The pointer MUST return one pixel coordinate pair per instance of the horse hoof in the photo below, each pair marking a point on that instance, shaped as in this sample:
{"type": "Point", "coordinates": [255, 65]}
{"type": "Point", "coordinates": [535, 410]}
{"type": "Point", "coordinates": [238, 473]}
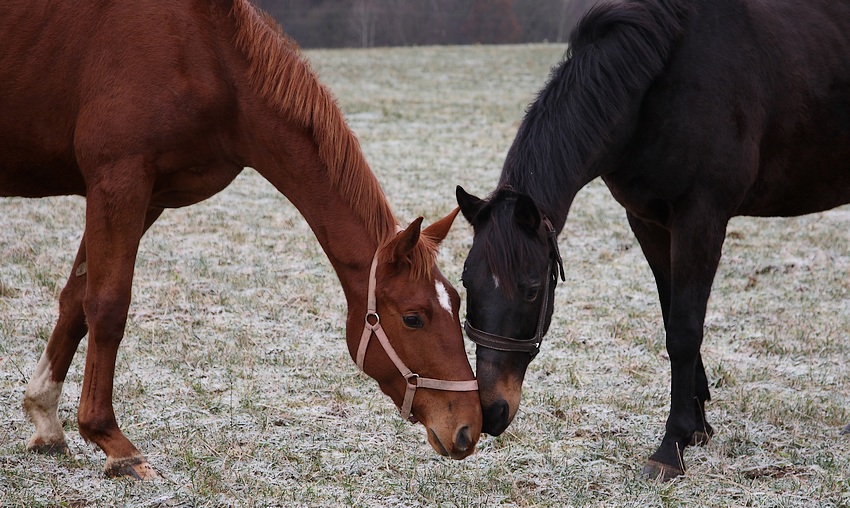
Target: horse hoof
{"type": "Point", "coordinates": [60, 448]}
{"type": "Point", "coordinates": [136, 468]}
{"type": "Point", "coordinates": [700, 438]}
{"type": "Point", "coordinates": [846, 430]}
{"type": "Point", "coordinates": [654, 470]}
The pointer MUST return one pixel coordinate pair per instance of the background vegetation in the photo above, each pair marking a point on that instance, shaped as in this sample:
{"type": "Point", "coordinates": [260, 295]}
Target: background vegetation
{"type": "Point", "coordinates": [235, 381]}
{"type": "Point", "coordinates": [368, 23]}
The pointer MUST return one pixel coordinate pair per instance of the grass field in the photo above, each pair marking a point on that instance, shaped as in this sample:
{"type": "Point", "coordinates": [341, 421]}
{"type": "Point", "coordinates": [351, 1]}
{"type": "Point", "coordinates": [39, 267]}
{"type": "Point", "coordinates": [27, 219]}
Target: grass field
{"type": "Point", "coordinates": [235, 381]}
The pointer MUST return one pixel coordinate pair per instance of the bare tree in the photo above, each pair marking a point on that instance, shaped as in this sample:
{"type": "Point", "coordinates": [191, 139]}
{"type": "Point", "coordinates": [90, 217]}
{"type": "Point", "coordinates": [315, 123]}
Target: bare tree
{"type": "Point", "coordinates": [564, 22]}
{"type": "Point", "coordinates": [364, 15]}
{"type": "Point", "coordinates": [365, 23]}
{"type": "Point", "coordinates": [493, 21]}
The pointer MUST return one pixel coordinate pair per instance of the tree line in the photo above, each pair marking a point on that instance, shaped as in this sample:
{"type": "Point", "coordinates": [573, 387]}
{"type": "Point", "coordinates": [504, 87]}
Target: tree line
{"type": "Point", "coordinates": [368, 23]}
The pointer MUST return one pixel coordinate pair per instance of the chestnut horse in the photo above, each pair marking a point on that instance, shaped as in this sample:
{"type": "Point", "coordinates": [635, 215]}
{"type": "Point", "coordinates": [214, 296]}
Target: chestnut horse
{"type": "Point", "coordinates": [692, 112]}
{"type": "Point", "coordinates": [154, 104]}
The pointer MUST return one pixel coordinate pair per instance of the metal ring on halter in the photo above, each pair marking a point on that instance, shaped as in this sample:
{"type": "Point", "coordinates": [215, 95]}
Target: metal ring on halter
{"type": "Point", "coordinates": [376, 316]}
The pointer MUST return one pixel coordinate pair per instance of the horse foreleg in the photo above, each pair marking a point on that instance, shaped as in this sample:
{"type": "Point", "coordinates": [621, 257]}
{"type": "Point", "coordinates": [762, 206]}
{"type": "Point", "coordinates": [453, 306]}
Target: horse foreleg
{"type": "Point", "coordinates": [655, 244]}
{"type": "Point", "coordinates": [704, 432]}
{"type": "Point", "coordinates": [115, 221]}
{"type": "Point", "coordinates": [41, 401]}
{"type": "Point", "coordinates": [695, 248]}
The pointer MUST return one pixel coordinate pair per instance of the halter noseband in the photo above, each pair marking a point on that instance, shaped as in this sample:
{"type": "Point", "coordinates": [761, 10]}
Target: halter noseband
{"type": "Point", "coordinates": [413, 380]}
{"type": "Point", "coordinates": [530, 346]}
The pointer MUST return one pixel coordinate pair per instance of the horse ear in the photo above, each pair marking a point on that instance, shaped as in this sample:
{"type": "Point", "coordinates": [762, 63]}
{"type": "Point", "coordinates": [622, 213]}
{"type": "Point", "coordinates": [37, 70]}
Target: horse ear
{"type": "Point", "coordinates": [526, 214]}
{"type": "Point", "coordinates": [469, 204]}
{"type": "Point", "coordinates": [407, 239]}
{"type": "Point", "coordinates": [437, 231]}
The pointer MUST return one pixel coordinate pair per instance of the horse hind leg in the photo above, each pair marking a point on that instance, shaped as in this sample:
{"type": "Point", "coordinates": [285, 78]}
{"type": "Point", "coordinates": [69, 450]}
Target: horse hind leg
{"type": "Point", "coordinates": [41, 400]}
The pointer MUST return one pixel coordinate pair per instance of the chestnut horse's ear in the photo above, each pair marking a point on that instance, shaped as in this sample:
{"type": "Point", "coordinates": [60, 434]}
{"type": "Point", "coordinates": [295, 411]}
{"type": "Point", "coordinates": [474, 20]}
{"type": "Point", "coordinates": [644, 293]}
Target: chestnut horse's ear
{"type": "Point", "coordinates": [469, 204]}
{"type": "Point", "coordinates": [526, 214]}
{"type": "Point", "coordinates": [437, 231]}
{"type": "Point", "coordinates": [407, 239]}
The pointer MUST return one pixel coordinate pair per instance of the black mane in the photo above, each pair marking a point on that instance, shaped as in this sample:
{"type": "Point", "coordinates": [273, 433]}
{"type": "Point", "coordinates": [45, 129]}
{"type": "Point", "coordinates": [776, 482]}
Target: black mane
{"type": "Point", "coordinates": [615, 53]}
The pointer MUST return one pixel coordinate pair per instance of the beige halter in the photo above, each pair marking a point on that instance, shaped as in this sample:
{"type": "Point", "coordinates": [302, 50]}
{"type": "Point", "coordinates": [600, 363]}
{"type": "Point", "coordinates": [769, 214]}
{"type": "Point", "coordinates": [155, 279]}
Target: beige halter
{"type": "Point", "coordinates": [414, 381]}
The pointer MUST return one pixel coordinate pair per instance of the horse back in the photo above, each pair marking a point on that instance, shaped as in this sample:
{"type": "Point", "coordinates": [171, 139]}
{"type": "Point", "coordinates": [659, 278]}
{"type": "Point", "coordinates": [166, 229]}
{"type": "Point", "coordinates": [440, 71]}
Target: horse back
{"type": "Point", "coordinates": [753, 112]}
{"type": "Point", "coordinates": [90, 82]}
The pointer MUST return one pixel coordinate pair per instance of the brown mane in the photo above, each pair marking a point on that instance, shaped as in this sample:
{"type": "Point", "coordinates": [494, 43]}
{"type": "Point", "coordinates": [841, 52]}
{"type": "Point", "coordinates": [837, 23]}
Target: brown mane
{"type": "Point", "coordinates": [280, 74]}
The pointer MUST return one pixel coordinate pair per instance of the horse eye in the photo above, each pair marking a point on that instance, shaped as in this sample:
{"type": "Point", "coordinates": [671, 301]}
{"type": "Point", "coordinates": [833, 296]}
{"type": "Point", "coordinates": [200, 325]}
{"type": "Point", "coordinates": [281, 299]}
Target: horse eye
{"type": "Point", "coordinates": [413, 321]}
{"type": "Point", "coordinates": [531, 294]}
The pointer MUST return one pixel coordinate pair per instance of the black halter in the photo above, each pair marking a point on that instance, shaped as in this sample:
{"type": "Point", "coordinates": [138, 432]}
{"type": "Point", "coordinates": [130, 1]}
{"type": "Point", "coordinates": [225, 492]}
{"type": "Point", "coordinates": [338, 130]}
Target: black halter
{"type": "Point", "coordinates": [530, 346]}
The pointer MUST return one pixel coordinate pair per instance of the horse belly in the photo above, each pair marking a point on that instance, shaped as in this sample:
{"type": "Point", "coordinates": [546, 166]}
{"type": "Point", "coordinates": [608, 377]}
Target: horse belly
{"type": "Point", "coordinates": [36, 150]}
{"type": "Point", "coordinates": [766, 133]}
{"type": "Point", "coordinates": [40, 180]}
{"type": "Point", "coordinates": [813, 185]}
{"type": "Point", "coordinates": [804, 156]}
{"type": "Point", "coordinates": [78, 96]}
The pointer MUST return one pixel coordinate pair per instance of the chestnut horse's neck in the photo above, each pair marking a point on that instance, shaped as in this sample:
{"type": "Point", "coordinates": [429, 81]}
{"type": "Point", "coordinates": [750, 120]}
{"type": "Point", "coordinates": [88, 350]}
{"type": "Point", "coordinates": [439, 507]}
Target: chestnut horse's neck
{"type": "Point", "coordinates": [296, 137]}
{"type": "Point", "coordinates": [347, 237]}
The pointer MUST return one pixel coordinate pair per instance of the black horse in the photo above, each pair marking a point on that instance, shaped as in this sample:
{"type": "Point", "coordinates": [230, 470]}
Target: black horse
{"type": "Point", "coordinates": [692, 112]}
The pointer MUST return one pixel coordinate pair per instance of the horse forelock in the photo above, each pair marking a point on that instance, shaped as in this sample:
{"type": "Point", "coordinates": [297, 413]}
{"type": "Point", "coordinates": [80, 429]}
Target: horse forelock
{"type": "Point", "coordinates": [420, 260]}
{"type": "Point", "coordinates": [284, 78]}
{"type": "Point", "coordinates": [507, 249]}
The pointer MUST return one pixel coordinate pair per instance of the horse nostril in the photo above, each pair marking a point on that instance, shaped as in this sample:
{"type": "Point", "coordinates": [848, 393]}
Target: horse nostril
{"type": "Point", "coordinates": [496, 418]}
{"type": "Point", "coordinates": [462, 439]}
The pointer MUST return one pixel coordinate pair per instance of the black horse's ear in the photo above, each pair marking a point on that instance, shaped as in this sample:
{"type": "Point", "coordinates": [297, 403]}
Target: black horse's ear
{"type": "Point", "coordinates": [469, 204]}
{"type": "Point", "coordinates": [526, 214]}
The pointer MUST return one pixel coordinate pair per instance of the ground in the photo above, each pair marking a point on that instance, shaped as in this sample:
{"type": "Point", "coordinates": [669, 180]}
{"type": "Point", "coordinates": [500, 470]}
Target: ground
{"type": "Point", "coordinates": [235, 381]}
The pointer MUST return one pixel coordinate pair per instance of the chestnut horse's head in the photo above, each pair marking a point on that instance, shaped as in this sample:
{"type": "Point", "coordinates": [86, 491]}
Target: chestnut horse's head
{"type": "Point", "coordinates": [410, 340]}
{"type": "Point", "coordinates": [510, 276]}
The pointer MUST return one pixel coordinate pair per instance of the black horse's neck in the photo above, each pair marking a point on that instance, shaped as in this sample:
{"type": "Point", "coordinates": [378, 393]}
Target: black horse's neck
{"type": "Point", "coordinates": [585, 114]}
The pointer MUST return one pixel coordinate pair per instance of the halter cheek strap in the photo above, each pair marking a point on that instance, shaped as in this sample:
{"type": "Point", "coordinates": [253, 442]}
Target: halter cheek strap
{"type": "Point", "coordinates": [501, 343]}
{"type": "Point", "coordinates": [371, 327]}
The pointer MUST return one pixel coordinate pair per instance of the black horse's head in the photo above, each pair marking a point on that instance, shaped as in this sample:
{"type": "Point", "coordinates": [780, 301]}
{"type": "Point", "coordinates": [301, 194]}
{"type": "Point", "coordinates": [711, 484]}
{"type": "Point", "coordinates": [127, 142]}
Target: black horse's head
{"type": "Point", "coordinates": [510, 276]}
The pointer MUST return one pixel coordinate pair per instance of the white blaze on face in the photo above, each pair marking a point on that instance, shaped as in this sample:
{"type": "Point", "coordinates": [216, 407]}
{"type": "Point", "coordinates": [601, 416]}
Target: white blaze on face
{"type": "Point", "coordinates": [443, 297]}
{"type": "Point", "coordinates": [496, 281]}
